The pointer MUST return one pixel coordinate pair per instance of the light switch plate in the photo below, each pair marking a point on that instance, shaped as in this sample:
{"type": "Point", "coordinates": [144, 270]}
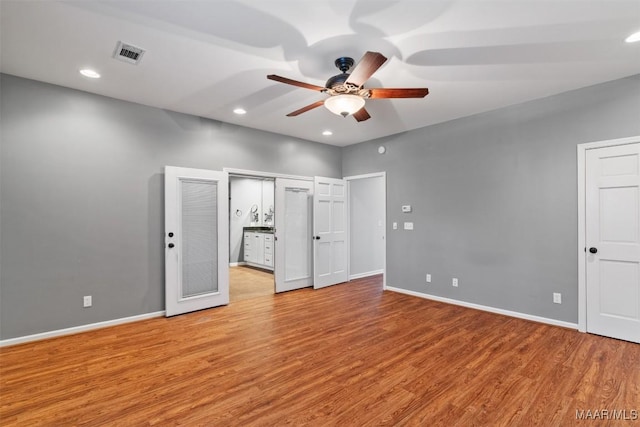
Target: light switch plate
{"type": "Point", "coordinates": [408, 226]}
{"type": "Point", "coordinates": [406, 208]}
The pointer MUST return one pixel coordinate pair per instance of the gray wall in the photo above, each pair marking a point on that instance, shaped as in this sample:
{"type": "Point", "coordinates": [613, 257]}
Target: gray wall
{"type": "Point", "coordinates": [81, 204]}
{"type": "Point", "coordinates": [366, 225]}
{"type": "Point", "coordinates": [495, 198]}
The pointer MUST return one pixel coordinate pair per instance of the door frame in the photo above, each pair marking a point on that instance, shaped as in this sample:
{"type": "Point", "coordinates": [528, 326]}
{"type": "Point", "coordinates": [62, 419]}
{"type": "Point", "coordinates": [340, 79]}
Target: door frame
{"type": "Point", "coordinates": [247, 173]}
{"type": "Point", "coordinates": [382, 175]}
{"type": "Point", "coordinates": [582, 230]}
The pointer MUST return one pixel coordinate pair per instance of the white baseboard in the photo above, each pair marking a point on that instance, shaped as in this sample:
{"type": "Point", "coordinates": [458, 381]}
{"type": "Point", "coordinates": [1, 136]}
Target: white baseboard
{"type": "Point", "coordinates": [237, 264]}
{"type": "Point", "coordinates": [367, 274]}
{"type": "Point", "coordinates": [486, 308]}
{"type": "Point", "coordinates": [77, 329]}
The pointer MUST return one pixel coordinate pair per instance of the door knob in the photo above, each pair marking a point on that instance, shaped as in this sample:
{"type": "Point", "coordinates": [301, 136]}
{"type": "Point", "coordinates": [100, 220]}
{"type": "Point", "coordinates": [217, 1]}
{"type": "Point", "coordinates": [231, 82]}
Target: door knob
{"type": "Point", "coordinates": [593, 250]}
{"type": "Point", "coordinates": [316, 237]}
{"type": "Point", "coordinates": [170, 245]}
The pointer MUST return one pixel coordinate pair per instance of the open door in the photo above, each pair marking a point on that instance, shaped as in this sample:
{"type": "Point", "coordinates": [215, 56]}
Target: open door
{"type": "Point", "coordinates": [330, 232]}
{"type": "Point", "coordinates": [196, 239]}
{"type": "Point", "coordinates": [293, 232]}
{"type": "Point", "coordinates": [612, 249]}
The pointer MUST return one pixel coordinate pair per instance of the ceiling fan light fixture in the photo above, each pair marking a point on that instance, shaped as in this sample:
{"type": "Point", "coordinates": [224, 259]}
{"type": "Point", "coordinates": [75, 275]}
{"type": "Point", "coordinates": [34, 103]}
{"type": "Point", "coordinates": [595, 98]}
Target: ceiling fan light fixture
{"type": "Point", "coordinates": [344, 105]}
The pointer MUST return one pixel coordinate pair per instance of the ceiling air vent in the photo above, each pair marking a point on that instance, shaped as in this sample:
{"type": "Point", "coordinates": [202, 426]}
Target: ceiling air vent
{"type": "Point", "coordinates": [128, 53]}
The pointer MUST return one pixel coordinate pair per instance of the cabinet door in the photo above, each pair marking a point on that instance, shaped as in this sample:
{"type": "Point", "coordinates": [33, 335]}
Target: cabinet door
{"type": "Point", "coordinates": [268, 250]}
{"type": "Point", "coordinates": [258, 244]}
{"type": "Point", "coordinates": [249, 247]}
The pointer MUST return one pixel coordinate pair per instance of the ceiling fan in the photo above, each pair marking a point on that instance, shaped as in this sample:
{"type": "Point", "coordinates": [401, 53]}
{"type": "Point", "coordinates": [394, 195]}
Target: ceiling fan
{"type": "Point", "coordinates": [346, 91]}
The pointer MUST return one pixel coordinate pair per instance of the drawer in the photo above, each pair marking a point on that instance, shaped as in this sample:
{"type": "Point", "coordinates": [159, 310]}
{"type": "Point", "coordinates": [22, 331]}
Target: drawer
{"type": "Point", "coordinates": [268, 260]}
{"type": "Point", "coordinates": [247, 235]}
{"type": "Point", "coordinates": [268, 248]}
{"type": "Point", "coordinates": [247, 256]}
{"type": "Point", "coordinates": [268, 237]}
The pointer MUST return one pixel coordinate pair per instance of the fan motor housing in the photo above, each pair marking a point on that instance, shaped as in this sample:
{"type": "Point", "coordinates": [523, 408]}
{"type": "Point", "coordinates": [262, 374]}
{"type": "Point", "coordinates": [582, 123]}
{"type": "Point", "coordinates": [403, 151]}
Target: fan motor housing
{"type": "Point", "coordinates": [337, 80]}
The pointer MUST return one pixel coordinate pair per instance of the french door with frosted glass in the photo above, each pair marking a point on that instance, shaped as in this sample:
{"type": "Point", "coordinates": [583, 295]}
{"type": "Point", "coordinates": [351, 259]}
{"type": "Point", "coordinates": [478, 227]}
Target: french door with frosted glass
{"type": "Point", "coordinates": [293, 246]}
{"type": "Point", "coordinates": [196, 239]}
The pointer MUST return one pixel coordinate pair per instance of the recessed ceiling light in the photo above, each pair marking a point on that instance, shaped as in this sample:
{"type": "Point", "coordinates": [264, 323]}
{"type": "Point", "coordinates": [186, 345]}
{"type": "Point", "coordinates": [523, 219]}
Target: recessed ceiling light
{"type": "Point", "coordinates": [635, 37]}
{"type": "Point", "coordinates": [240, 111]}
{"type": "Point", "coordinates": [87, 72]}
{"type": "Point", "coordinates": [327, 133]}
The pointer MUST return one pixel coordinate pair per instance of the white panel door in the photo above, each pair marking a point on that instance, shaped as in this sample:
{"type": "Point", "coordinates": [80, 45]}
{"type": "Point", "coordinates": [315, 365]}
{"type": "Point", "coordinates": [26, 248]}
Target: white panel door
{"type": "Point", "coordinates": [330, 232]}
{"type": "Point", "coordinates": [196, 239]}
{"type": "Point", "coordinates": [293, 234]}
{"type": "Point", "coordinates": [613, 241]}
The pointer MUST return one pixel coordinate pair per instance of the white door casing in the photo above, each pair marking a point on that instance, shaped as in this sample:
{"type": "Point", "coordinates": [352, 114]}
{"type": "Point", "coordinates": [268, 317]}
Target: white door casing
{"type": "Point", "coordinates": [293, 234]}
{"type": "Point", "coordinates": [330, 232]}
{"type": "Point", "coordinates": [196, 239]}
{"type": "Point", "coordinates": [612, 241]}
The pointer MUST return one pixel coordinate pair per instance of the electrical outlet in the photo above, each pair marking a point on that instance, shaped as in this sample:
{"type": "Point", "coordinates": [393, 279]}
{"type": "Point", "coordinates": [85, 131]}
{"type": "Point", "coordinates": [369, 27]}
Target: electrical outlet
{"type": "Point", "coordinates": [454, 282]}
{"type": "Point", "coordinates": [86, 301]}
{"type": "Point", "coordinates": [557, 298]}
{"type": "Point", "coordinates": [428, 278]}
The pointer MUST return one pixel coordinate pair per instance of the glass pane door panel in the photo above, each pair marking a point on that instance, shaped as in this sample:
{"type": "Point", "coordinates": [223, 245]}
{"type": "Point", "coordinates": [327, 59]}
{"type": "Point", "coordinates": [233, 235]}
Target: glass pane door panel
{"type": "Point", "coordinates": [297, 234]}
{"type": "Point", "coordinates": [199, 215]}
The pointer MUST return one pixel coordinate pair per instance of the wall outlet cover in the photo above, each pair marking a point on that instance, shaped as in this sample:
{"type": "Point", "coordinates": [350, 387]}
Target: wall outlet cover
{"type": "Point", "coordinates": [454, 282]}
{"type": "Point", "coordinates": [557, 298]}
{"type": "Point", "coordinates": [428, 278]}
{"type": "Point", "coordinates": [408, 226]}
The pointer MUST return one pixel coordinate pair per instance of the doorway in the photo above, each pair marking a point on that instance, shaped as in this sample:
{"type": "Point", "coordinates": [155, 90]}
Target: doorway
{"type": "Point", "coordinates": [367, 225]}
{"type": "Point", "coordinates": [251, 224]}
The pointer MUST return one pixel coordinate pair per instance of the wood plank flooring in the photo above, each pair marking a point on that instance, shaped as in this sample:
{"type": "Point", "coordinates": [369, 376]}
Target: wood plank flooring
{"type": "Point", "coordinates": [347, 355]}
{"type": "Point", "coordinates": [248, 282]}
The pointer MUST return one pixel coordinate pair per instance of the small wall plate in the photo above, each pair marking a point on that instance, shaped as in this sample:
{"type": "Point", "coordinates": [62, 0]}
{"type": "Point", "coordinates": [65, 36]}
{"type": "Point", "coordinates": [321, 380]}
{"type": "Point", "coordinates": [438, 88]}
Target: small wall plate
{"type": "Point", "coordinates": [381, 149]}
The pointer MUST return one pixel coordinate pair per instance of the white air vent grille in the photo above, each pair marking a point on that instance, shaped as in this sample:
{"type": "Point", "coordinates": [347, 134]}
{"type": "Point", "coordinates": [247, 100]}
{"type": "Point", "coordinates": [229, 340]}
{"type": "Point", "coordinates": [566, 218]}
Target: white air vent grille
{"type": "Point", "coordinates": [128, 53]}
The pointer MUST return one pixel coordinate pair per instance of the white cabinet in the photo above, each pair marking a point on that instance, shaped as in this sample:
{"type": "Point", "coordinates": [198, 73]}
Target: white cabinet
{"type": "Point", "coordinates": [258, 249]}
{"type": "Point", "coordinates": [268, 250]}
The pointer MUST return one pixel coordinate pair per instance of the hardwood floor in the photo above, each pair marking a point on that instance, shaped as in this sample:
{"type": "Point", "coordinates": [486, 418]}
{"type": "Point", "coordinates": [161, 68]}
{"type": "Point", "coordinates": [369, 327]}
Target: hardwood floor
{"type": "Point", "coordinates": [346, 355]}
{"type": "Point", "coordinates": [247, 282]}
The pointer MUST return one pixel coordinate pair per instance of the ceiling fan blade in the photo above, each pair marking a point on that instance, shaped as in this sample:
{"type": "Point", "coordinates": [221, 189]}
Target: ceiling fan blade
{"type": "Point", "coordinates": [307, 108]}
{"type": "Point", "coordinates": [361, 115]}
{"type": "Point", "coordinates": [398, 93]}
{"type": "Point", "coordinates": [295, 82]}
{"type": "Point", "coordinates": [368, 65]}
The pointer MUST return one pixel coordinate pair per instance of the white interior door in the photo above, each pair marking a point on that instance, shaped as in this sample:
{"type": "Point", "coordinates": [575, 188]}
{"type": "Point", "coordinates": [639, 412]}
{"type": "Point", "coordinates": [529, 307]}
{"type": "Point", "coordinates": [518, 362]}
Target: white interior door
{"type": "Point", "coordinates": [330, 232]}
{"type": "Point", "coordinates": [293, 233]}
{"type": "Point", "coordinates": [196, 239]}
{"type": "Point", "coordinates": [613, 241]}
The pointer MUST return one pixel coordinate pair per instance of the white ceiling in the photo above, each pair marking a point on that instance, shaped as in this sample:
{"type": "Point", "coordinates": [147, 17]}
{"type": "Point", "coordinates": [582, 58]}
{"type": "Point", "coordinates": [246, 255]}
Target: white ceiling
{"type": "Point", "coordinates": [208, 57]}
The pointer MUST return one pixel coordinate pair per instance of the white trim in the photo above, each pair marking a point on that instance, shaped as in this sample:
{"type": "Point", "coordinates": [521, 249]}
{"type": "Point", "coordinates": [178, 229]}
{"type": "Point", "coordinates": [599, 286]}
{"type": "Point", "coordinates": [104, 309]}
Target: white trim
{"type": "Point", "coordinates": [237, 264]}
{"type": "Point", "coordinates": [382, 175]}
{"type": "Point", "coordinates": [366, 274]}
{"type": "Point", "coordinates": [78, 329]}
{"type": "Point", "coordinates": [366, 175]}
{"type": "Point", "coordinates": [509, 313]}
{"type": "Point", "coordinates": [260, 174]}
{"type": "Point", "coordinates": [582, 278]}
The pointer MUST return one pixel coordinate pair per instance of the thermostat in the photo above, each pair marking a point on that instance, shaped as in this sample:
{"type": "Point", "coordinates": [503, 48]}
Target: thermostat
{"type": "Point", "coordinates": [406, 208]}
